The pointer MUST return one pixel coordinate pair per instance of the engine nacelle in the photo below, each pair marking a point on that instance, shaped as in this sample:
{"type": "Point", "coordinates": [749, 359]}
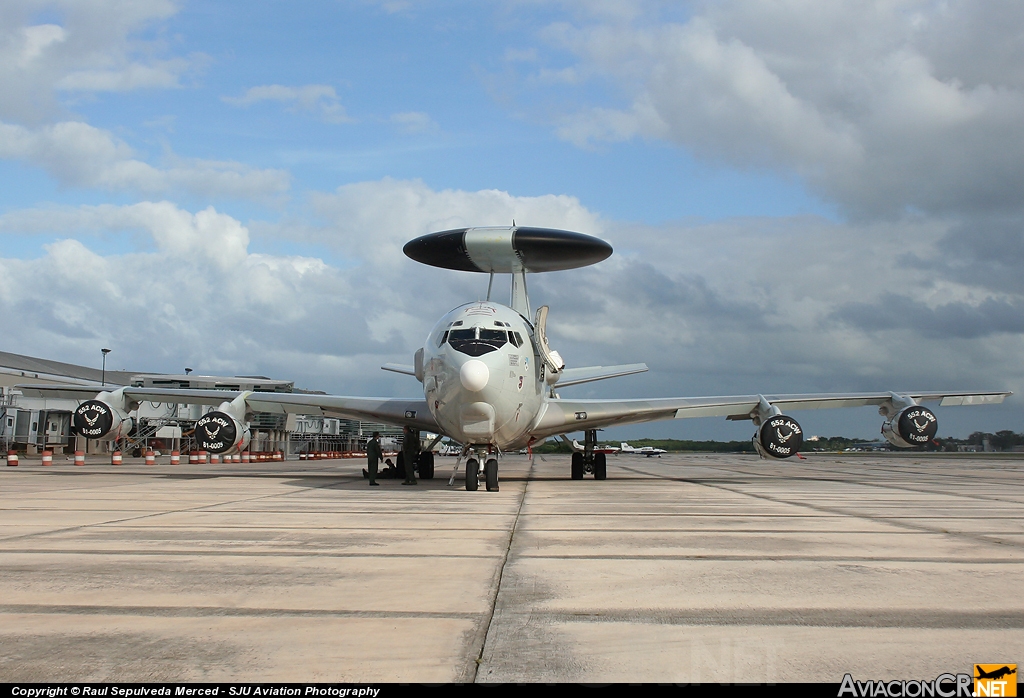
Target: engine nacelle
{"type": "Point", "coordinates": [778, 437]}
{"type": "Point", "coordinates": [911, 426]}
{"type": "Point", "coordinates": [219, 432]}
{"type": "Point", "coordinates": [95, 419]}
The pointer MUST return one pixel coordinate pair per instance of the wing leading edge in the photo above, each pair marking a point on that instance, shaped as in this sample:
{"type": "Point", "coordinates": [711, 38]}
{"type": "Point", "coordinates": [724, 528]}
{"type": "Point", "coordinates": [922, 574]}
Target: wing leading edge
{"type": "Point", "coordinates": [564, 415]}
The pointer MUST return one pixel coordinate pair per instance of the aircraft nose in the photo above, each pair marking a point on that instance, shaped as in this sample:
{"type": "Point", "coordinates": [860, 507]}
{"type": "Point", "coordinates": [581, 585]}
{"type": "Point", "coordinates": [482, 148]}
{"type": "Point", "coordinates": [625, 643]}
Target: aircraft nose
{"type": "Point", "coordinates": [474, 375]}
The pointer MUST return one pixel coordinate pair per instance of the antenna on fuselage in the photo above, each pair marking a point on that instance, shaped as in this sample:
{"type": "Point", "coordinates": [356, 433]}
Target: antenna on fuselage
{"type": "Point", "coordinates": [513, 250]}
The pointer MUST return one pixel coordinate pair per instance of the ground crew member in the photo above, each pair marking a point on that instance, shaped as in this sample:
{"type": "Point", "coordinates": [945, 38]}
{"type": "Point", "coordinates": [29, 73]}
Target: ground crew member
{"type": "Point", "coordinates": [410, 449]}
{"type": "Point", "coordinates": [373, 456]}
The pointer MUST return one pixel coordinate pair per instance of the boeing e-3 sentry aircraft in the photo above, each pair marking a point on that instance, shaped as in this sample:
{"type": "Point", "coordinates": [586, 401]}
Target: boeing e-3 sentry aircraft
{"type": "Point", "coordinates": [490, 378]}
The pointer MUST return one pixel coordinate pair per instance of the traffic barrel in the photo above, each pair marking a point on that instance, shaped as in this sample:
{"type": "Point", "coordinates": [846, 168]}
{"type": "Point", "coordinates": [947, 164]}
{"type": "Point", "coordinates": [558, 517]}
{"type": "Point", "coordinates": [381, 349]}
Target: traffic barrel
{"type": "Point", "coordinates": [245, 456]}
{"type": "Point", "coordinates": [79, 457]}
{"type": "Point", "coordinates": [150, 457]}
{"type": "Point", "coordinates": [193, 457]}
{"type": "Point", "coordinates": [175, 457]}
{"type": "Point", "coordinates": [12, 458]}
{"type": "Point", "coordinates": [202, 457]}
{"type": "Point", "coordinates": [47, 457]}
{"type": "Point", "coordinates": [215, 458]}
{"type": "Point", "coordinates": [236, 458]}
{"type": "Point", "coordinates": [115, 458]}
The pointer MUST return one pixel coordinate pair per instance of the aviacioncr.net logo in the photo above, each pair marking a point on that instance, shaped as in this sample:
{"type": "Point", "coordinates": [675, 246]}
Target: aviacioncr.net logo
{"type": "Point", "coordinates": [943, 686]}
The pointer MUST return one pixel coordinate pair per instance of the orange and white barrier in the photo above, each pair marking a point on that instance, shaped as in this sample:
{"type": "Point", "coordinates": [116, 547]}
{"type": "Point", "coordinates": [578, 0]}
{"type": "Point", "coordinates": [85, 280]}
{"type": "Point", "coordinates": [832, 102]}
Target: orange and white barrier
{"type": "Point", "coordinates": [236, 458]}
{"type": "Point", "coordinates": [47, 457]}
{"type": "Point", "coordinates": [245, 456]}
{"type": "Point", "coordinates": [12, 458]}
{"type": "Point", "coordinates": [215, 458]}
{"type": "Point", "coordinates": [193, 457]}
{"type": "Point", "coordinates": [115, 458]}
{"type": "Point", "coordinates": [175, 457]}
{"type": "Point", "coordinates": [202, 457]}
{"type": "Point", "coordinates": [150, 457]}
{"type": "Point", "coordinates": [79, 457]}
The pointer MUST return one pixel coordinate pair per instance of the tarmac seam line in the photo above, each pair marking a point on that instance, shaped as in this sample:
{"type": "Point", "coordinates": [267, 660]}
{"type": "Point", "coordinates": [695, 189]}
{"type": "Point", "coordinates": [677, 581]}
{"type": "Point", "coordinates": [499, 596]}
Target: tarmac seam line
{"type": "Point", "coordinates": [501, 575]}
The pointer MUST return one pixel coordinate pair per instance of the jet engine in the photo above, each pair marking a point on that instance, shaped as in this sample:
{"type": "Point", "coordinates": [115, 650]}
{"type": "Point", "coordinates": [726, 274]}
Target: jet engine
{"type": "Point", "coordinates": [218, 432]}
{"type": "Point", "coordinates": [96, 419]}
{"type": "Point", "coordinates": [911, 426]}
{"type": "Point", "coordinates": [778, 437]}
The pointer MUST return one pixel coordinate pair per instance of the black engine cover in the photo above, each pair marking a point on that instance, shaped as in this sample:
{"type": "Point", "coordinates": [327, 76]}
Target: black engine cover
{"type": "Point", "coordinates": [93, 419]}
{"type": "Point", "coordinates": [917, 425]}
{"type": "Point", "coordinates": [216, 432]}
{"type": "Point", "coordinates": [780, 436]}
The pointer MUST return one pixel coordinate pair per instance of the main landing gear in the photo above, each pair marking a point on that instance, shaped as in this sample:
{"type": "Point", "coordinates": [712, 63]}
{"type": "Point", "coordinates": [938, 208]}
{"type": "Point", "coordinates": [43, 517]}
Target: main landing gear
{"type": "Point", "coordinates": [588, 461]}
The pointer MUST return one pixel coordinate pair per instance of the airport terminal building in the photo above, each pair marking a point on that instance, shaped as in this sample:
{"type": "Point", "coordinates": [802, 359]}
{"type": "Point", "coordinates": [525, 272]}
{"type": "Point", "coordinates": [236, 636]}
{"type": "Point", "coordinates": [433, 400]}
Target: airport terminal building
{"type": "Point", "coordinates": [31, 425]}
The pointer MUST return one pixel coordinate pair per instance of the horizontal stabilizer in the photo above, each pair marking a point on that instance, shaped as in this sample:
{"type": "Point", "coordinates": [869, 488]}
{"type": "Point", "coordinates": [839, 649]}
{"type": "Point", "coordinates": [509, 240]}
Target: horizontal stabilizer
{"type": "Point", "coordinates": [400, 368]}
{"type": "Point", "coordinates": [586, 374]}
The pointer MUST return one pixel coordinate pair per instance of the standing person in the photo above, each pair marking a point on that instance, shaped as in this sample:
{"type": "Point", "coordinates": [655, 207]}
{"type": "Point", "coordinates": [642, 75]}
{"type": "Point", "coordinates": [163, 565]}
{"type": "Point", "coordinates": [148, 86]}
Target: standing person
{"type": "Point", "coordinates": [410, 449]}
{"type": "Point", "coordinates": [373, 456]}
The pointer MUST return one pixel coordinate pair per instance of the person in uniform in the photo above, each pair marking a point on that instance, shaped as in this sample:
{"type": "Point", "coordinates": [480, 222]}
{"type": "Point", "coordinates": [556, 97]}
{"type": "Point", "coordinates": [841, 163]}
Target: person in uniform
{"type": "Point", "coordinates": [373, 456]}
{"type": "Point", "coordinates": [410, 449]}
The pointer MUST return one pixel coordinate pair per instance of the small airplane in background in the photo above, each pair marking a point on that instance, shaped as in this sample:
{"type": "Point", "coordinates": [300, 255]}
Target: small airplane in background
{"type": "Point", "coordinates": [649, 451]}
{"type": "Point", "coordinates": [490, 381]}
{"type": "Point", "coordinates": [607, 450]}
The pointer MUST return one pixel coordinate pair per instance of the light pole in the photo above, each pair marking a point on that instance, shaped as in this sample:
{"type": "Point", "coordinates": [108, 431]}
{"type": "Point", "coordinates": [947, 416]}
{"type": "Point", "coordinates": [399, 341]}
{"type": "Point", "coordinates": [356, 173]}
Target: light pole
{"type": "Point", "coordinates": [103, 373]}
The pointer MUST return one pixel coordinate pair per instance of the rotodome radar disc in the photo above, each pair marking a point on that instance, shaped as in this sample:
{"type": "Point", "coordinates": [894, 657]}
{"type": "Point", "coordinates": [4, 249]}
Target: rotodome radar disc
{"type": "Point", "coordinates": [508, 250]}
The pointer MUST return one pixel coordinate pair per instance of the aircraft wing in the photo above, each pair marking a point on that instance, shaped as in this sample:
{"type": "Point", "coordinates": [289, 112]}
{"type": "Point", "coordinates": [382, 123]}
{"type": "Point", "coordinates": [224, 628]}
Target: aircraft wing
{"type": "Point", "coordinates": [575, 376]}
{"type": "Point", "coordinates": [400, 411]}
{"type": "Point", "coordinates": [566, 415]}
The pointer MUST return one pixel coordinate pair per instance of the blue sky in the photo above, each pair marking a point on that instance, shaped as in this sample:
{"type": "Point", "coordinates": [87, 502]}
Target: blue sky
{"type": "Point", "coordinates": [228, 185]}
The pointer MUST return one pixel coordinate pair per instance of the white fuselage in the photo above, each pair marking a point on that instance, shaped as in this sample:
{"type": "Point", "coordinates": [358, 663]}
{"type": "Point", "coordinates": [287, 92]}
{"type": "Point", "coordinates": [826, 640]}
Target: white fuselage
{"type": "Point", "coordinates": [482, 378]}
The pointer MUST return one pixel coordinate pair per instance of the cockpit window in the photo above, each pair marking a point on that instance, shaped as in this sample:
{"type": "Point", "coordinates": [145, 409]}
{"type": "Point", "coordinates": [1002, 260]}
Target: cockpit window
{"type": "Point", "coordinates": [477, 341]}
{"type": "Point", "coordinates": [444, 338]}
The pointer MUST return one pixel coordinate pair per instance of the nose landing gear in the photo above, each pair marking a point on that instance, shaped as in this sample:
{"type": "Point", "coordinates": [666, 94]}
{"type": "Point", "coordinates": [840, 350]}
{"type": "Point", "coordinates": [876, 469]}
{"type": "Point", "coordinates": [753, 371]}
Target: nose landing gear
{"type": "Point", "coordinates": [587, 461]}
{"type": "Point", "coordinates": [473, 472]}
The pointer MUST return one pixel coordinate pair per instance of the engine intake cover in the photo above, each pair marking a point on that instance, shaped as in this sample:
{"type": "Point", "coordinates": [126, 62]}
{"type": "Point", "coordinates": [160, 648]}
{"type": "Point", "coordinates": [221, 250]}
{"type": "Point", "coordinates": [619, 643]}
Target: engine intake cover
{"type": "Point", "coordinates": [95, 419]}
{"type": "Point", "coordinates": [780, 437]}
{"type": "Point", "coordinates": [219, 432]}
{"type": "Point", "coordinates": [913, 426]}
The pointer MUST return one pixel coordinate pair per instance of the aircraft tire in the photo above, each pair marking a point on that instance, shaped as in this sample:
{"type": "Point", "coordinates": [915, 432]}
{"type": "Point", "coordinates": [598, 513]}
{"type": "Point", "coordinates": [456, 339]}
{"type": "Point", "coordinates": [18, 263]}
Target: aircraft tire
{"type": "Point", "coordinates": [491, 474]}
{"type": "Point", "coordinates": [426, 466]}
{"type": "Point", "coordinates": [577, 466]}
{"type": "Point", "coordinates": [600, 466]}
{"type": "Point", "coordinates": [472, 475]}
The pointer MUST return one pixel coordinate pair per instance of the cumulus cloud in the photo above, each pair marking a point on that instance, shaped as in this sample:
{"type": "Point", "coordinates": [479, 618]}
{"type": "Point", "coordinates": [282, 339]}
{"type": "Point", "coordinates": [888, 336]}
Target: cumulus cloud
{"type": "Point", "coordinates": [321, 100]}
{"type": "Point", "coordinates": [77, 154]}
{"type": "Point", "coordinates": [882, 107]}
{"type": "Point", "coordinates": [198, 297]}
{"type": "Point", "coordinates": [414, 122]}
{"type": "Point", "coordinates": [377, 218]}
{"type": "Point", "coordinates": [90, 46]}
